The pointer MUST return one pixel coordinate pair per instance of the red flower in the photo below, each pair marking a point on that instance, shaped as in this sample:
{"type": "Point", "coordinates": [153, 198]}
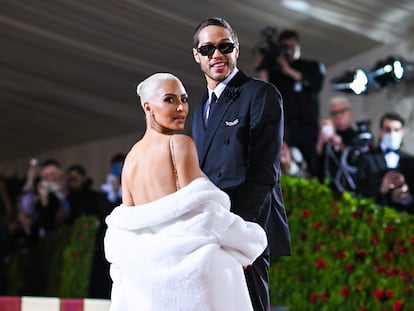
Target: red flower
{"type": "Point", "coordinates": [381, 270]}
{"type": "Point", "coordinates": [324, 297]}
{"type": "Point", "coordinates": [388, 256]}
{"type": "Point", "coordinates": [398, 305]}
{"type": "Point", "coordinates": [313, 297]}
{"type": "Point", "coordinates": [344, 291]}
{"type": "Point", "coordinates": [349, 267]}
{"type": "Point", "coordinates": [363, 309]}
{"type": "Point", "coordinates": [316, 225]}
{"type": "Point", "coordinates": [320, 263]}
{"type": "Point", "coordinates": [389, 293]}
{"type": "Point", "coordinates": [389, 228]}
{"type": "Point", "coordinates": [379, 294]}
{"type": "Point", "coordinates": [375, 240]}
{"type": "Point", "coordinates": [392, 271]}
{"type": "Point", "coordinates": [335, 212]}
{"type": "Point", "coordinates": [402, 250]}
{"type": "Point", "coordinates": [412, 241]}
{"type": "Point", "coordinates": [305, 213]}
{"type": "Point", "coordinates": [340, 255]}
{"type": "Point", "coordinates": [357, 214]}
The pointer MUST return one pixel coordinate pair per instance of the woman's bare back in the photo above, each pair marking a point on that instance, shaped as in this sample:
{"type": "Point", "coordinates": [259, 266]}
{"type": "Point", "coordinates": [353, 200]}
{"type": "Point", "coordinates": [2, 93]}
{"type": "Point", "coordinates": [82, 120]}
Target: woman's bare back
{"type": "Point", "coordinates": [148, 173]}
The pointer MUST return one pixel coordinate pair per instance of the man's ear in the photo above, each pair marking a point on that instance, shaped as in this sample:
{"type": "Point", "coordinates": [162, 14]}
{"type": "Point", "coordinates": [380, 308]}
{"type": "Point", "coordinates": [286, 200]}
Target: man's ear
{"type": "Point", "coordinates": [196, 56]}
{"type": "Point", "coordinates": [237, 48]}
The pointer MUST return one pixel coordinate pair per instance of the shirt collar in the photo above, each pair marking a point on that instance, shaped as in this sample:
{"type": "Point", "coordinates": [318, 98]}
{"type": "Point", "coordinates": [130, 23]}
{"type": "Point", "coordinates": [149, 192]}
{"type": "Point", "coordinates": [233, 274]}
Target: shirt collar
{"type": "Point", "coordinates": [223, 84]}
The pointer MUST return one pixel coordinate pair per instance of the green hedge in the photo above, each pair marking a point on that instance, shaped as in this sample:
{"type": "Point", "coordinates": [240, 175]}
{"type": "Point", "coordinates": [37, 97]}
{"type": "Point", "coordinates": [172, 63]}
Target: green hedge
{"type": "Point", "coordinates": [348, 253]}
{"type": "Point", "coordinates": [57, 266]}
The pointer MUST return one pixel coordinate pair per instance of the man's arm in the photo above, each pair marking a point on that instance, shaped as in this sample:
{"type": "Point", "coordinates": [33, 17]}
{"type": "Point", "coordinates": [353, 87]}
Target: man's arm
{"type": "Point", "coordinates": [264, 147]}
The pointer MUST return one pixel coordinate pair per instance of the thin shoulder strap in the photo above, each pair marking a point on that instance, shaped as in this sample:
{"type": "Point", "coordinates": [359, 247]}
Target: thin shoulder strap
{"type": "Point", "coordinates": [177, 183]}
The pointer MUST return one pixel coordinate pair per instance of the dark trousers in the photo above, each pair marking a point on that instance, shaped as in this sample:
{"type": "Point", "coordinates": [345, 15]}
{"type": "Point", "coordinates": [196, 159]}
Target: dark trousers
{"type": "Point", "coordinates": [257, 278]}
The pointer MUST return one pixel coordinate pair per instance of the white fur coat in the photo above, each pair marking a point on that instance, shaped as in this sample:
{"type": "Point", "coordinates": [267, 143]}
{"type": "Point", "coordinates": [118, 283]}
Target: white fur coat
{"type": "Point", "coordinates": [183, 252]}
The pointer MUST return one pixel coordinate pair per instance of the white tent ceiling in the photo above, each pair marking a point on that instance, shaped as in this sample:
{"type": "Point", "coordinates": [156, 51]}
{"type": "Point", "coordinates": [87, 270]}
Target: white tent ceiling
{"type": "Point", "coordinates": [68, 68]}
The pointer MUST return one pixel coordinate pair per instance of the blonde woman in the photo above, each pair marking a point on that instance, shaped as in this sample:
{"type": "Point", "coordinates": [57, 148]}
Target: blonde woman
{"type": "Point", "coordinates": [173, 243]}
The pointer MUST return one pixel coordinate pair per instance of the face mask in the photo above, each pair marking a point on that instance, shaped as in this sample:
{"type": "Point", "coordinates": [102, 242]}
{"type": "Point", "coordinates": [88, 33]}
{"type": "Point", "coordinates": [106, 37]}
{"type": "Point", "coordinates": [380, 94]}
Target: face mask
{"type": "Point", "coordinates": [392, 140]}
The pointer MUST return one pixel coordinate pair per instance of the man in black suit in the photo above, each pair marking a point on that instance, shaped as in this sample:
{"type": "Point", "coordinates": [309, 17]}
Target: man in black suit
{"type": "Point", "coordinates": [299, 81]}
{"type": "Point", "coordinates": [239, 139]}
{"type": "Point", "coordinates": [387, 173]}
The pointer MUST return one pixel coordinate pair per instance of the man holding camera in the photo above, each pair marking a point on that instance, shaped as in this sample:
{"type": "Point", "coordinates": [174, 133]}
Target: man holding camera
{"type": "Point", "coordinates": [387, 173]}
{"type": "Point", "coordinates": [299, 81]}
{"type": "Point", "coordinates": [336, 137]}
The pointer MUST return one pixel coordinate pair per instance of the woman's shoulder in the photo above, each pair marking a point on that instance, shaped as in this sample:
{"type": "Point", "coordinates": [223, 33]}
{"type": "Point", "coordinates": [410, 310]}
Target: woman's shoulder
{"type": "Point", "coordinates": [183, 142]}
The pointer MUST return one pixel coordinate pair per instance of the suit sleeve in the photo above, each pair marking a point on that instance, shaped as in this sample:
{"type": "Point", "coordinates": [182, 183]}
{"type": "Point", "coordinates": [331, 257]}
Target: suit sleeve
{"type": "Point", "coordinates": [265, 143]}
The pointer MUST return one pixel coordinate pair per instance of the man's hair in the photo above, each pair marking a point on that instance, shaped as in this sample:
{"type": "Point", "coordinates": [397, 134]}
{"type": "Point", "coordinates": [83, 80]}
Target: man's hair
{"type": "Point", "coordinates": [391, 116]}
{"type": "Point", "coordinates": [288, 34]}
{"type": "Point", "coordinates": [48, 162]}
{"type": "Point", "coordinates": [336, 100]}
{"type": "Point", "coordinates": [78, 169]}
{"type": "Point", "coordinates": [214, 21]}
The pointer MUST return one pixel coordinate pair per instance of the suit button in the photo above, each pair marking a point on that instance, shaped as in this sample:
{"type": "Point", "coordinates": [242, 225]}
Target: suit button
{"type": "Point", "coordinates": [219, 175]}
{"type": "Point", "coordinates": [227, 141]}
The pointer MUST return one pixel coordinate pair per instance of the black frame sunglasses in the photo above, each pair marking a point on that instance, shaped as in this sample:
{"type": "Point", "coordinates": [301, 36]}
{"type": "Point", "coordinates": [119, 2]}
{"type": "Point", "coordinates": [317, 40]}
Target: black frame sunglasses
{"type": "Point", "coordinates": [209, 49]}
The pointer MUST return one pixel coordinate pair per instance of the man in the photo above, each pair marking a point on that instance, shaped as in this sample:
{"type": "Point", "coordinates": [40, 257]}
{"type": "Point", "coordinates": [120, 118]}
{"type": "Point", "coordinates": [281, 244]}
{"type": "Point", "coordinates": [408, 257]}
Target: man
{"type": "Point", "coordinates": [299, 81]}
{"type": "Point", "coordinates": [335, 136]}
{"type": "Point", "coordinates": [52, 206]}
{"type": "Point", "coordinates": [387, 173]}
{"type": "Point", "coordinates": [238, 139]}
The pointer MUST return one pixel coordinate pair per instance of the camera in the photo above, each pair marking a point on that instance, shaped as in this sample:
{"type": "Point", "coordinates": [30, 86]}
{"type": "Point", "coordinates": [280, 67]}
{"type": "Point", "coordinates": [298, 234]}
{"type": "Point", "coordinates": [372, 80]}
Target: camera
{"type": "Point", "coordinates": [271, 51]}
{"type": "Point", "coordinates": [364, 137]}
{"type": "Point", "coordinates": [361, 144]}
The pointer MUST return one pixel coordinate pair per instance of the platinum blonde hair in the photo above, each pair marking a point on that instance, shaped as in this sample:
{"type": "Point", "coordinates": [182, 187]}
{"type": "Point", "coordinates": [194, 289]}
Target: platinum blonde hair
{"type": "Point", "coordinates": [336, 100]}
{"type": "Point", "coordinates": [147, 88]}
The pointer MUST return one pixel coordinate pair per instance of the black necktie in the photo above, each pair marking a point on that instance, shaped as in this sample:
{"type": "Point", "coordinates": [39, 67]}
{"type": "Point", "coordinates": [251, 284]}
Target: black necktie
{"type": "Point", "coordinates": [209, 106]}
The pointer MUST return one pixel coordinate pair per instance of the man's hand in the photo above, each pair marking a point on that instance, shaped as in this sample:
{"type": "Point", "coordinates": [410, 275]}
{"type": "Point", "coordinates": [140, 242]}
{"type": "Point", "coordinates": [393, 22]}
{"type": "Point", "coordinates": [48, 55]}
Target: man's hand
{"type": "Point", "coordinates": [391, 181]}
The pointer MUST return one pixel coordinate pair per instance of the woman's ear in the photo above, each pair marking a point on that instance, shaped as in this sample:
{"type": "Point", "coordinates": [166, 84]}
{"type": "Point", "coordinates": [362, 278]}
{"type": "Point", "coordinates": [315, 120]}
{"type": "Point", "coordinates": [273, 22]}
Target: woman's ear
{"type": "Point", "coordinates": [147, 107]}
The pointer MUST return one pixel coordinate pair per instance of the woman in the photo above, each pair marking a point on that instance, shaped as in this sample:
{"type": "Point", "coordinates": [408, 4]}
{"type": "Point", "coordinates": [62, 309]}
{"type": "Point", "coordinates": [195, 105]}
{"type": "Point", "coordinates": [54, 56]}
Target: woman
{"type": "Point", "coordinates": [173, 244]}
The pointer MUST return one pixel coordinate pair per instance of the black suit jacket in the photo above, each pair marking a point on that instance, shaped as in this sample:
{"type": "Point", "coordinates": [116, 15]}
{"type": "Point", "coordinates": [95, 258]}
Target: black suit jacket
{"type": "Point", "coordinates": [372, 168]}
{"type": "Point", "coordinates": [240, 152]}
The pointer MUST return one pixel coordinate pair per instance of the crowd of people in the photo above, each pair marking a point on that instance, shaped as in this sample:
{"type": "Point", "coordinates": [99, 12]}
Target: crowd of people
{"type": "Point", "coordinates": [352, 158]}
{"type": "Point", "coordinates": [242, 130]}
{"type": "Point", "coordinates": [50, 197]}
{"type": "Point", "coordinates": [338, 149]}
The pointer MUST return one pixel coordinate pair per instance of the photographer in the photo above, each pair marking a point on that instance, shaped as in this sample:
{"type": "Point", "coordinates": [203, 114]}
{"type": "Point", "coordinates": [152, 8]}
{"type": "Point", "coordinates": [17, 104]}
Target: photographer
{"type": "Point", "coordinates": [339, 145]}
{"type": "Point", "coordinates": [387, 173]}
{"type": "Point", "coordinates": [51, 203]}
{"type": "Point", "coordinates": [299, 81]}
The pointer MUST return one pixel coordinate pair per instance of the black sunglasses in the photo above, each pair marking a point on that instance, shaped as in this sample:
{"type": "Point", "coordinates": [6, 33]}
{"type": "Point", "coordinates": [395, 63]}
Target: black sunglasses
{"type": "Point", "coordinates": [209, 49]}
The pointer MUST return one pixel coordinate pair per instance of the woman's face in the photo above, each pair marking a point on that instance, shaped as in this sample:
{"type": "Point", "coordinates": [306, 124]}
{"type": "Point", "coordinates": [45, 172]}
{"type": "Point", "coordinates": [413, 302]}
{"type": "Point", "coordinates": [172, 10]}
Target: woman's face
{"type": "Point", "coordinates": [168, 107]}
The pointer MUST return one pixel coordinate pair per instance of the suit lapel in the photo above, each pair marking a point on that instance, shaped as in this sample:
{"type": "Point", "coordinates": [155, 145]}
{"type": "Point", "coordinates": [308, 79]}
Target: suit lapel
{"type": "Point", "coordinates": [228, 98]}
{"type": "Point", "coordinates": [380, 161]}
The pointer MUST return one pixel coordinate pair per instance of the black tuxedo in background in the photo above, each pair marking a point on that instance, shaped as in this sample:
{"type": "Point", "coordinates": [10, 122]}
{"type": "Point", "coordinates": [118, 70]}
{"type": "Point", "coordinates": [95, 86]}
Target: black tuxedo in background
{"type": "Point", "coordinates": [240, 152]}
{"type": "Point", "coordinates": [371, 169]}
{"type": "Point", "coordinates": [301, 105]}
